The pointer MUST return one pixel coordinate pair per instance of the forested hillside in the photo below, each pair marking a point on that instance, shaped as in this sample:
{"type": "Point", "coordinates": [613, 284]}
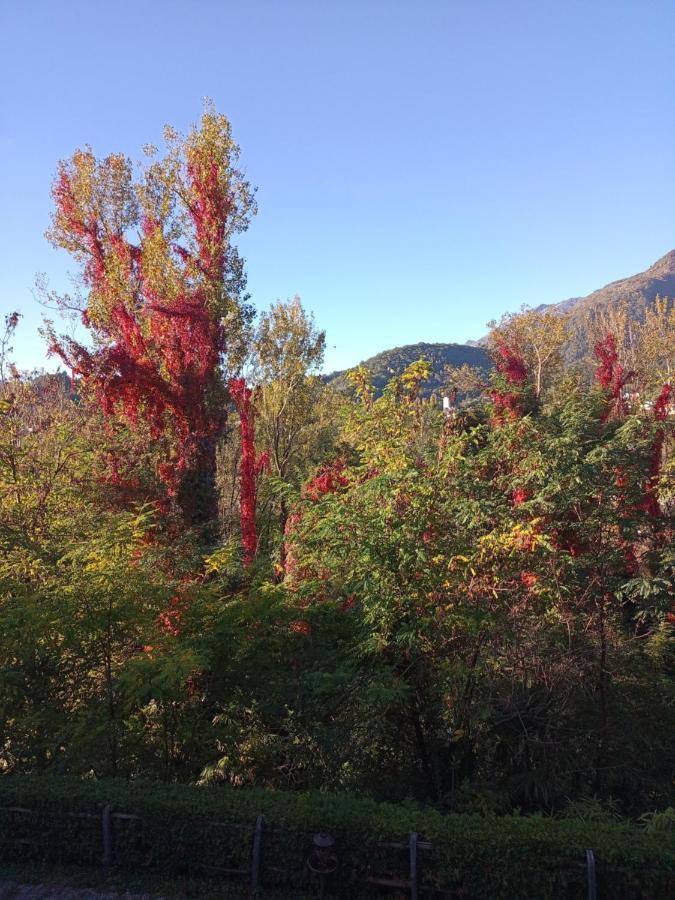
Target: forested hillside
{"type": "Point", "coordinates": [631, 298]}
{"type": "Point", "coordinates": [392, 363]}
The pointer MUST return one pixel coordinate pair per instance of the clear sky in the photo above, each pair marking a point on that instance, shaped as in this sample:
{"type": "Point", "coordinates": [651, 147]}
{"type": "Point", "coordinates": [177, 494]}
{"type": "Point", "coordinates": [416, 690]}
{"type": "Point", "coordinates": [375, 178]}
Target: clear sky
{"type": "Point", "coordinates": [421, 166]}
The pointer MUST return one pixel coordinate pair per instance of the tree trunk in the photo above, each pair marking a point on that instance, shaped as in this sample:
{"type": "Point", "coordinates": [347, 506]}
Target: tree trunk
{"type": "Point", "coordinates": [603, 687]}
{"type": "Point", "coordinates": [197, 495]}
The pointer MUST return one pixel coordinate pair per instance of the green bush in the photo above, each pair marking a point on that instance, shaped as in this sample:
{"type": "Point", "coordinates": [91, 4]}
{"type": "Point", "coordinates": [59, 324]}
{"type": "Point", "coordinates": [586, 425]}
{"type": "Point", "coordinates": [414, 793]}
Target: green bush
{"type": "Point", "coordinates": [472, 857]}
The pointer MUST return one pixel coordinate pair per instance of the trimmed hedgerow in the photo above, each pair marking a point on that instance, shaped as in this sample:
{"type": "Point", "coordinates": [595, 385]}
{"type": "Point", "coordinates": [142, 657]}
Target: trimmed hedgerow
{"type": "Point", "coordinates": [194, 829]}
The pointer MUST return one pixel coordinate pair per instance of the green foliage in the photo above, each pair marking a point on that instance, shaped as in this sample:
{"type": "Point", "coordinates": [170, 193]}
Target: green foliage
{"type": "Point", "coordinates": [501, 637]}
{"type": "Point", "coordinates": [295, 420]}
{"type": "Point", "coordinates": [392, 363]}
{"type": "Point", "coordinates": [471, 611]}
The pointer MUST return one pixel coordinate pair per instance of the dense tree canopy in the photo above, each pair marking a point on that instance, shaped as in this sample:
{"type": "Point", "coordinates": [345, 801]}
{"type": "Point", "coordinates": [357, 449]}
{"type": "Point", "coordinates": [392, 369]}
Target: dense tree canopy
{"type": "Point", "coordinates": [472, 608]}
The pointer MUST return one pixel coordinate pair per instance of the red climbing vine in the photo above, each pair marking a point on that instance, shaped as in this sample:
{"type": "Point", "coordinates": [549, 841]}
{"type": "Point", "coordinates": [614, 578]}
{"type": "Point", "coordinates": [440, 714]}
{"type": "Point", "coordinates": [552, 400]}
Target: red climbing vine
{"type": "Point", "coordinates": [157, 307]}
{"type": "Point", "coordinates": [250, 466]}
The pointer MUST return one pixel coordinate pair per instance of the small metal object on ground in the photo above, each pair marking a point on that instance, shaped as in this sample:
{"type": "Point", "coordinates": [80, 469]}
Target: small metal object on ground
{"type": "Point", "coordinates": [322, 859]}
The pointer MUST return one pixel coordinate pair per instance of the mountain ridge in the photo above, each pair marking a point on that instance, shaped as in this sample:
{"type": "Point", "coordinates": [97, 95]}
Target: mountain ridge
{"type": "Point", "coordinates": [636, 291]}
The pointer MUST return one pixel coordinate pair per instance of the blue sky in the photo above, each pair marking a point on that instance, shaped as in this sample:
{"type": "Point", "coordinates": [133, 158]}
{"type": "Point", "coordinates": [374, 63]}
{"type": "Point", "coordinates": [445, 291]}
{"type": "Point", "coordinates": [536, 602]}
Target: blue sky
{"type": "Point", "coordinates": [421, 166]}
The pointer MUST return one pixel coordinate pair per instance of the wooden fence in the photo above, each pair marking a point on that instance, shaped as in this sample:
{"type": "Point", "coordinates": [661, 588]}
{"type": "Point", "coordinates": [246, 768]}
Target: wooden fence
{"type": "Point", "coordinates": [408, 883]}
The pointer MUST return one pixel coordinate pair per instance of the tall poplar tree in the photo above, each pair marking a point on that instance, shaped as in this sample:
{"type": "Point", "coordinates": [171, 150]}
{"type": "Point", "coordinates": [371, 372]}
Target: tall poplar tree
{"type": "Point", "coordinates": [163, 293]}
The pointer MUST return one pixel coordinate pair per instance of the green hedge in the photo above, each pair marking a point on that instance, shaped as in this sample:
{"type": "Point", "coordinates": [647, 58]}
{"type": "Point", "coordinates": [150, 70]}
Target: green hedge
{"type": "Point", "coordinates": [472, 857]}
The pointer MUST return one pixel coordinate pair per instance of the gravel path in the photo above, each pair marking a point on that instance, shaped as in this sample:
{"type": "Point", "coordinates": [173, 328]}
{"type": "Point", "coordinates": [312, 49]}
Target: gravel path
{"type": "Point", "coordinates": [11, 891]}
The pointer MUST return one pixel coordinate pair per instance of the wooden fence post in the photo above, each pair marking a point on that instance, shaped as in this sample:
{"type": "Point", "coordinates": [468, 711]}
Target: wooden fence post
{"type": "Point", "coordinates": [107, 830]}
{"type": "Point", "coordinates": [413, 865]}
{"type": "Point", "coordinates": [255, 857]}
{"type": "Point", "coordinates": [590, 868]}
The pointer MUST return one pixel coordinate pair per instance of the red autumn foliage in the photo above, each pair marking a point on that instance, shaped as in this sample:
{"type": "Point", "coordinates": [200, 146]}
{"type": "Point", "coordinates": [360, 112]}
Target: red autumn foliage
{"type": "Point", "coordinates": [529, 579]}
{"type": "Point", "coordinates": [171, 620]}
{"type": "Point", "coordinates": [159, 356]}
{"type": "Point", "coordinates": [250, 466]}
{"type": "Point", "coordinates": [507, 403]}
{"type": "Point", "coordinates": [612, 376]}
{"type": "Point", "coordinates": [328, 480]}
{"type": "Point", "coordinates": [520, 495]}
{"type": "Point", "coordinates": [662, 404]}
{"type": "Point", "coordinates": [511, 365]}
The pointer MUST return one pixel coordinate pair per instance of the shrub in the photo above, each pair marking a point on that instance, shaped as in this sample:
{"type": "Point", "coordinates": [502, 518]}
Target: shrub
{"type": "Point", "coordinates": [195, 829]}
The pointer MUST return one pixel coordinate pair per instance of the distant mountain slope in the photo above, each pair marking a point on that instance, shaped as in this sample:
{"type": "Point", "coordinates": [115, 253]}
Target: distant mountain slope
{"type": "Point", "coordinates": [389, 363]}
{"type": "Point", "coordinates": [637, 292]}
